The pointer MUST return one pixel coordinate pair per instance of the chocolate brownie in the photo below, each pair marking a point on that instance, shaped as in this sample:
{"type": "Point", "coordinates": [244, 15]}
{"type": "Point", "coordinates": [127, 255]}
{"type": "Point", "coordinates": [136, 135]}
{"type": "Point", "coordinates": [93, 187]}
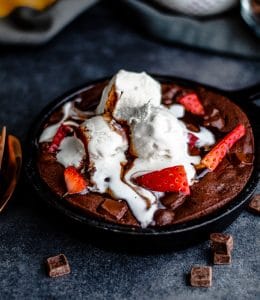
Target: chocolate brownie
{"type": "Point", "coordinates": [211, 191]}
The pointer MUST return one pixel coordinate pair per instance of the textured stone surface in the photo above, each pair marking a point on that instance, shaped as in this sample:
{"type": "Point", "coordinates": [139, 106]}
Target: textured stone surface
{"type": "Point", "coordinates": [95, 45]}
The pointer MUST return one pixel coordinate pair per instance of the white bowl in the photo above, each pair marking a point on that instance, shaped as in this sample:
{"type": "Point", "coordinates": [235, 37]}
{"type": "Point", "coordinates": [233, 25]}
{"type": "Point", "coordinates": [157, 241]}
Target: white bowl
{"type": "Point", "coordinates": [199, 8]}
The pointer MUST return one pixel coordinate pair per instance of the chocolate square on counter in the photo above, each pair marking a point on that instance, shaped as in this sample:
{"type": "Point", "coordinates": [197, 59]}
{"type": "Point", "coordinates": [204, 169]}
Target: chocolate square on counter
{"type": "Point", "coordinates": [254, 205]}
{"type": "Point", "coordinates": [201, 276]}
{"type": "Point", "coordinates": [222, 259]}
{"type": "Point", "coordinates": [221, 243]}
{"type": "Point", "coordinates": [58, 265]}
{"type": "Point", "coordinates": [114, 208]}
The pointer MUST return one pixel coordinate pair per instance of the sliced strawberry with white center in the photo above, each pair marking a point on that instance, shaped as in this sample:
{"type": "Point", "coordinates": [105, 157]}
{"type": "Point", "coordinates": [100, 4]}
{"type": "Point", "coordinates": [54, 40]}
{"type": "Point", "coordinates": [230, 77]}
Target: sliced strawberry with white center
{"type": "Point", "coordinates": [171, 179]}
{"type": "Point", "coordinates": [75, 182]}
{"type": "Point", "coordinates": [192, 104]}
{"type": "Point", "coordinates": [219, 151]}
{"type": "Point", "coordinates": [62, 131]}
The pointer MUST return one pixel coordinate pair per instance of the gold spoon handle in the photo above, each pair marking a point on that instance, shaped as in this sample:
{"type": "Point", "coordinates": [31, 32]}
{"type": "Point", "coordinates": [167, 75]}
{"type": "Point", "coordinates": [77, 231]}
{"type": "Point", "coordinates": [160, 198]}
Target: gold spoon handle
{"type": "Point", "coordinates": [13, 169]}
{"type": "Point", "coordinates": [2, 145]}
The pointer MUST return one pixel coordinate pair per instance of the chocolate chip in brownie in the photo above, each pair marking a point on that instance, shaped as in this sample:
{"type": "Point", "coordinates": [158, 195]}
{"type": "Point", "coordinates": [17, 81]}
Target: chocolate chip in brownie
{"type": "Point", "coordinates": [222, 259]}
{"type": "Point", "coordinates": [254, 205]}
{"type": "Point", "coordinates": [214, 120]}
{"type": "Point", "coordinates": [115, 208]}
{"type": "Point", "coordinates": [193, 127]}
{"type": "Point", "coordinates": [221, 243]}
{"type": "Point", "coordinates": [173, 200]}
{"type": "Point", "coordinates": [201, 276]}
{"type": "Point", "coordinates": [164, 217]}
{"type": "Point", "coordinates": [169, 93]}
{"type": "Point", "coordinates": [58, 265]}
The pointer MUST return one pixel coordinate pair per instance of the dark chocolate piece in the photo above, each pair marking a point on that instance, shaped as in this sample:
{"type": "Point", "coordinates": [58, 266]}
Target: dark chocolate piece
{"type": "Point", "coordinates": [114, 208]}
{"type": "Point", "coordinates": [222, 259]}
{"type": "Point", "coordinates": [214, 120]}
{"type": "Point", "coordinates": [193, 127]}
{"type": "Point", "coordinates": [169, 93]}
{"type": "Point", "coordinates": [221, 243]}
{"type": "Point", "coordinates": [164, 217]}
{"type": "Point", "coordinates": [58, 265]}
{"type": "Point", "coordinates": [201, 276]}
{"type": "Point", "coordinates": [254, 205]}
{"type": "Point", "coordinates": [173, 200]}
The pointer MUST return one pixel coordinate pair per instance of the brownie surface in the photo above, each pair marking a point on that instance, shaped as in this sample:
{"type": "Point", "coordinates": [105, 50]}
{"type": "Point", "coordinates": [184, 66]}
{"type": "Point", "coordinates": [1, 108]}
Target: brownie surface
{"type": "Point", "coordinates": [210, 193]}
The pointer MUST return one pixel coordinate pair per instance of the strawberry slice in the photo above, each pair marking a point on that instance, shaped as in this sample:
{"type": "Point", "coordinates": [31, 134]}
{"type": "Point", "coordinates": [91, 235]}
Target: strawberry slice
{"type": "Point", "coordinates": [218, 152]}
{"type": "Point", "coordinates": [171, 179]}
{"type": "Point", "coordinates": [192, 104]}
{"type": "Point", "coordinates": [192, 140]}
{"type": "Point", "coordinates": [74, 181]}
{"type": "Point", "coordinates": [62, 131]}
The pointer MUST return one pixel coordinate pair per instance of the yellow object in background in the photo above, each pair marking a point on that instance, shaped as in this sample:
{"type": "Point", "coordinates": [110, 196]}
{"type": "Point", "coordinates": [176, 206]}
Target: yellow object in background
{"type": "Point", "coordinates": [7, 6]}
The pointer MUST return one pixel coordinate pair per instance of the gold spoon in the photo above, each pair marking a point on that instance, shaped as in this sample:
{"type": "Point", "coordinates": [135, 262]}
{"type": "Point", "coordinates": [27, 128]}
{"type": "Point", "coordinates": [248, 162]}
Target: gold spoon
{"type": "Point", "coordinates": [13, 168]}
{"type": "Point", "coordinates": [2, 145]}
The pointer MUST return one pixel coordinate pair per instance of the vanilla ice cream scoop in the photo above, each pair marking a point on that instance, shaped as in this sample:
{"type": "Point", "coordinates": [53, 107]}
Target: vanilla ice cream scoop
{"type": "Point", "coordinates": [127, 92]}
{"type": "Point", "coordinates": [159, 142]}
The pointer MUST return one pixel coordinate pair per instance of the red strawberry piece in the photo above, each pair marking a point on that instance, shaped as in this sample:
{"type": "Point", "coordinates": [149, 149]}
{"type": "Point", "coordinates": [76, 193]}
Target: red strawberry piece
{"type": "Point", "coordinates": [171, 179]}
{"type": "Point", "coordinates": [192, 140]}
{"type": "Point", "coordinates": [192, 104]}
{"type": "Point", "coordinates": [62, 131]}
{"type": "Point", "coordinates": [218, 152]}
{"type": "Point", "coordinates": [74, 181]}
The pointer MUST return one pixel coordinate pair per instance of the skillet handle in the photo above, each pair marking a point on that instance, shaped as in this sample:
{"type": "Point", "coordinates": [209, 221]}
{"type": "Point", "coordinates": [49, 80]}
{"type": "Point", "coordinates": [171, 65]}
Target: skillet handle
{"type": "Point", "coordinates": [248, 94]}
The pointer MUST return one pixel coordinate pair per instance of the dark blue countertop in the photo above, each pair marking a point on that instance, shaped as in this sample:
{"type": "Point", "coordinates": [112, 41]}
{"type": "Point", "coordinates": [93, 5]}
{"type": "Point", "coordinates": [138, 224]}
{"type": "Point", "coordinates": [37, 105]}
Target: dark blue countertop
{"type": "Point", "coordinates": [95, 45]}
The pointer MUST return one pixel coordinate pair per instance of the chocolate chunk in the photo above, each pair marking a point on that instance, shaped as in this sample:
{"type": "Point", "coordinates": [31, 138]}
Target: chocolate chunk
{"type": "Point", "coordinates": [173, 200]}
{"type": "Point", "coordinates": [221, 243]}
{"type": "Point", "coordinates": [58, 265]}
{"type": "Point", "coordinates": [164, 217]}
{"type": "Point", "coordinates": [88, 203]}
{"type": "Point", "coordinates": [254, 205]}
{"type": "Point", "coordinates": [114, 208]}
{"type": "Point", "coordinates": [169, 93]}
{"type": "Point", "coordinates": [222, 259]}
{"type": "Point", "coordinates": [214, 120]}
{"type": "Point", "coordinates": [193, 127]}
{"type": "Point", "coordinates": [194, 151]}
{"type": "Point", "coordinates": [201, 276]}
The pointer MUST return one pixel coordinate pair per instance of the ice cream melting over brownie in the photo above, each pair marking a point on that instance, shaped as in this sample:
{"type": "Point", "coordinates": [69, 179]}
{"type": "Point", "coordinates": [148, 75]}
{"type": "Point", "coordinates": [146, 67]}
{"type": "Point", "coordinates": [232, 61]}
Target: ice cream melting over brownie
{"type": "Point", "coordinates": [106, 148]}
{"type": "Point", "coordinates": [130, 121]}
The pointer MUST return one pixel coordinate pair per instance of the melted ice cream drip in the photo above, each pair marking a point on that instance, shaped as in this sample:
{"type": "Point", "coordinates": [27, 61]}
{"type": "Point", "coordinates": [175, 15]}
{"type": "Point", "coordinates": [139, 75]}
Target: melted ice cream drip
{"type": "Point", "coordinates": [106, 148]}
{"type": "Point", "coordinates": [71, 152]}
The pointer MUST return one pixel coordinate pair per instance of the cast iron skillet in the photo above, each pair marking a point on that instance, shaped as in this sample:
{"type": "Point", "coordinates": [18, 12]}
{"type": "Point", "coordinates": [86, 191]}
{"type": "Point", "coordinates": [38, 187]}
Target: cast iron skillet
{"type": "Point", "coordinates": [175, 236]}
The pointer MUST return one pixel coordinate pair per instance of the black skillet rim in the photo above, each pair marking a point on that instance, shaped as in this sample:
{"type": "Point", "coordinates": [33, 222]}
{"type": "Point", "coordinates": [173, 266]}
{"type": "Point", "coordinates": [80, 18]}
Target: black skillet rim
{"type": "Point", "coordinates": [54, 201]}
